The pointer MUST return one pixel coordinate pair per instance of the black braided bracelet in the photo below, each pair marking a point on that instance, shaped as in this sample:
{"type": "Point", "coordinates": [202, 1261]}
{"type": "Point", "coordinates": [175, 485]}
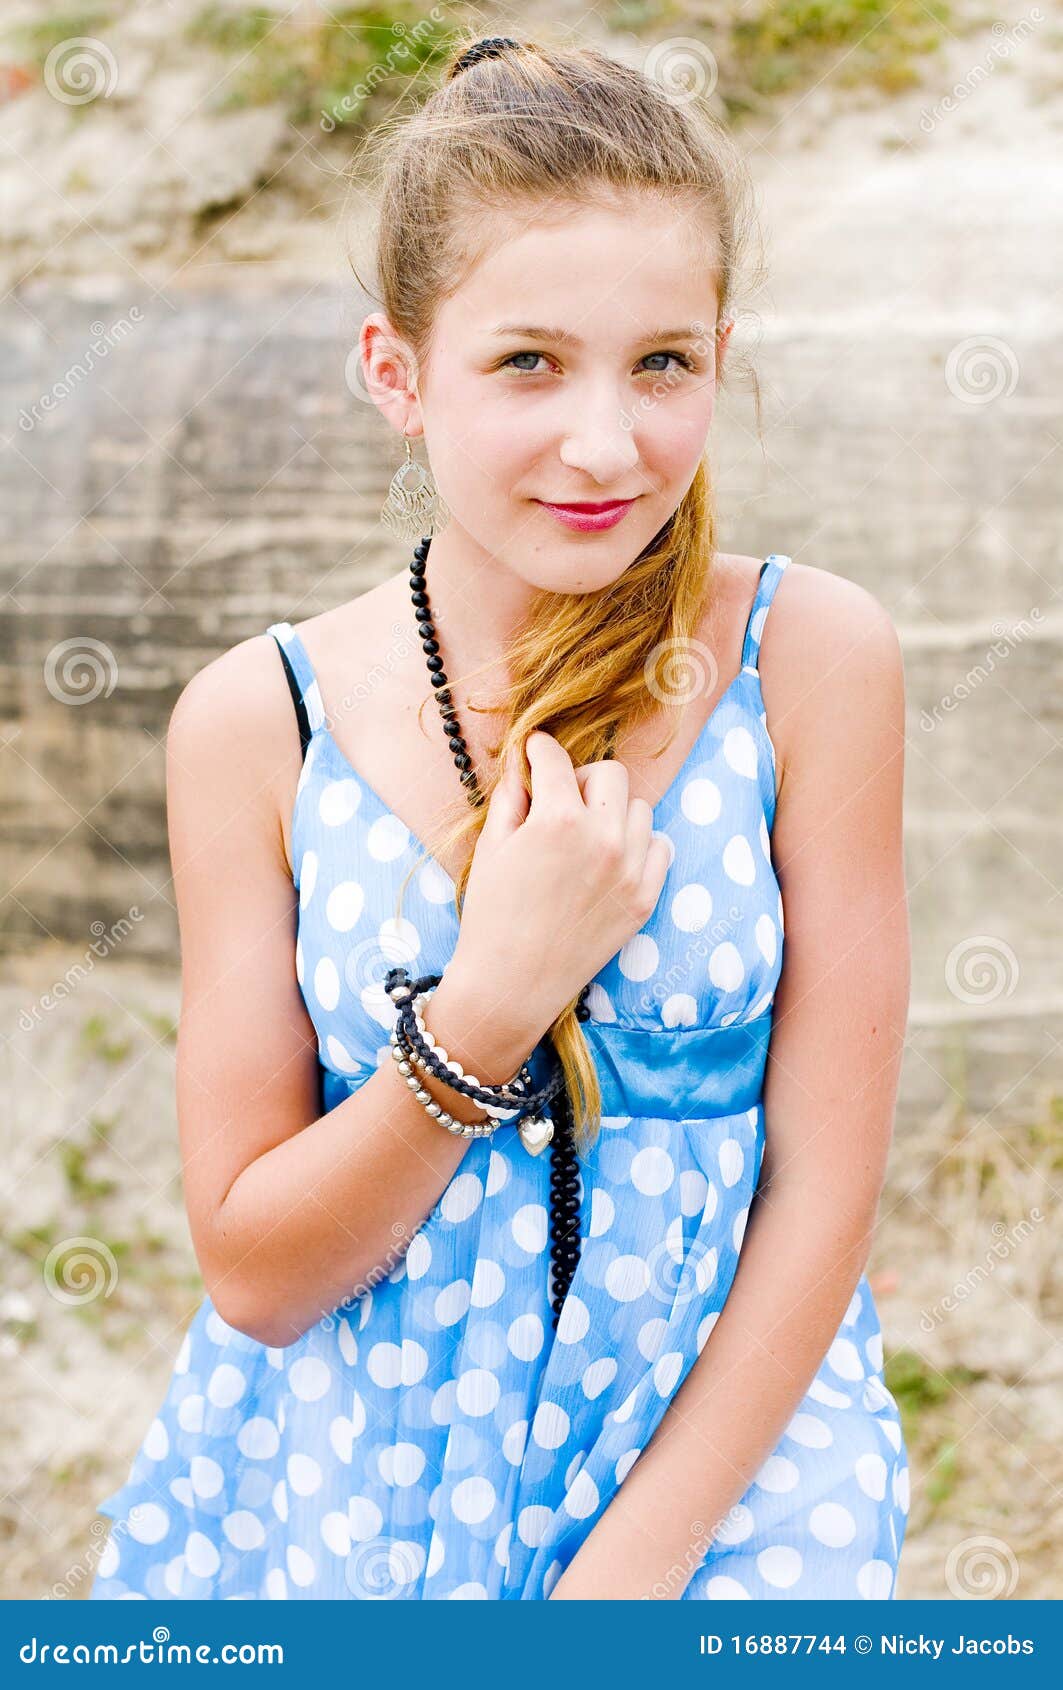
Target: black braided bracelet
{"type": "Point", "coordinates": [523, 1102]}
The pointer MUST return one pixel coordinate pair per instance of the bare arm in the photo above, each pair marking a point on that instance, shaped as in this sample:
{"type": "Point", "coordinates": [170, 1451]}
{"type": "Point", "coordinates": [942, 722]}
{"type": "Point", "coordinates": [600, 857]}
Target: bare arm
{"type": "Point", "coordinates": [290, 1212]}
{"type": "Point", "coordinates": [829, 1097]}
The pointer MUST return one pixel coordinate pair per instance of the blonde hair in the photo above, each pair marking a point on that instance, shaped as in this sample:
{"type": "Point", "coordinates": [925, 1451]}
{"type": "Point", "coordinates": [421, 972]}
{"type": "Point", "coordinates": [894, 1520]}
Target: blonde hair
{"type": "Point", "coordinates": [565, 125]}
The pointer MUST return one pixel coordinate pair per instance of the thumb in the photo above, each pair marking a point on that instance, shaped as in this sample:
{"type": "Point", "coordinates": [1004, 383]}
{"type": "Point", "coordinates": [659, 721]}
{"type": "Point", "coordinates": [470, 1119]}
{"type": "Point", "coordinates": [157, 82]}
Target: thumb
{"type": "Point", "coordinates": [509, 802]}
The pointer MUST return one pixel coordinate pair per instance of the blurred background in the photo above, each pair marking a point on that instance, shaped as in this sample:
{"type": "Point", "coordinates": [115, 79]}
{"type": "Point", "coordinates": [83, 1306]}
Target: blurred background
{"type": "Point", "coordinates": [188, 456]}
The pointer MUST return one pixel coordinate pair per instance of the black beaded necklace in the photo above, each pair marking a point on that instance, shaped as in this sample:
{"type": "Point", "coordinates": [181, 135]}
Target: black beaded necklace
{"type": "Point", "coordinates": [564, 1162]}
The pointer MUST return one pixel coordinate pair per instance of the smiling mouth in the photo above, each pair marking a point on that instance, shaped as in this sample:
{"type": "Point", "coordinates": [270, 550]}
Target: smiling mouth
{"type": "Point", "coordinates": [587, 509]}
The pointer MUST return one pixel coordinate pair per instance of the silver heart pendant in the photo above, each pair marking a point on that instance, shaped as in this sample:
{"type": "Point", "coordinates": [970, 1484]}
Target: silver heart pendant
{"type": "Point", "coordinates": [535, 1134]}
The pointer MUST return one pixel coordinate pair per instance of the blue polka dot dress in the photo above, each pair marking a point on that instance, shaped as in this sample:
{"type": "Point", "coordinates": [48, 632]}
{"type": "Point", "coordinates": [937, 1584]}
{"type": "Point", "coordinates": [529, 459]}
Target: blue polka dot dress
{"type": "Point", "coordinates": [435, 1437]}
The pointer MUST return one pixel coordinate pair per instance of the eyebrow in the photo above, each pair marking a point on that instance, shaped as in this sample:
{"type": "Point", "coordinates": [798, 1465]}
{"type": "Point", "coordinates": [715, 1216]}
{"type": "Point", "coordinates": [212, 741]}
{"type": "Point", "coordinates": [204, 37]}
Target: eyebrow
{"type": "Point", "coordinates": [531, 331]}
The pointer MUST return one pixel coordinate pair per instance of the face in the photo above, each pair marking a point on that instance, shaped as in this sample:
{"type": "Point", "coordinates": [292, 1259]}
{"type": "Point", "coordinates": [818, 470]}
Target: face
{"type": "Point", "coordinates": [575, 366]}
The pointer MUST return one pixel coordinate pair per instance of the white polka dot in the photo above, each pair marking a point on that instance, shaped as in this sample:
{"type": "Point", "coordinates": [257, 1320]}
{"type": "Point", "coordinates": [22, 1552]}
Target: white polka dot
{"type": "Point", "coordinates": [307, 877]}
{"type": "Point", "coordinates": [581, 1499]}
{"type": "Point", "coordinates": [257, 1438]}
{"type": "Point", "coordinates": [477, 1391]}
{"type": "Point", "coordinates": [387, 839]}
{"type": "Point", "coordinates": [726, 968]}
{"type": "Point", "coordinates": [639, 958]}
{"type": "Point", "coordinates": [341, 1437]}
{"type": "Point", "coordinates": [810, 1431]}
{"type": "Point", "coordinates": [401, 1464]}
{"type": "Point", "coordinates": [778, 1475]}
{"type": "Point", "coordinates": [473, 1500]}
{"type": "Point", "coordinates": [692, 907]}
{"type": "Point", "coordinates": [304, 1474]}
{"type": "Point", "coordinates": [309, 1378]}
{"type": "Point", "coordinates": [550, 1427]}
{"type": "Point", "coordinates": [736, 1526]}
{"type": "Point", "coordinates": [206, 1476]}
{"type": "Point", "coordinates": [832, 1524]}
{"type": "Point", "coordinates": [338, 802]}
{"type": "Point", "coordinates": [666, 1371]}
{"type": "Point", "coordinates": [574, 1320]}
{"type": "Point", "coordinates": [874, 1581]}
{"type": "Point", "coordinates": [767, 938]}
{"type": "Point", "coordinates": [598, 1376]}
{"type": "Point", "coordinates": [722, 1589]}
{"type": "Point", "coordinates": [148, 1523]}
{"type": "Point", "coordinates": [525, 1336]}
{"type": "Point", "coordinates": [705, 1268]}
{"type": "Point", "coordinates": [336, 1533]}
{"type": "Point", "coordinates": [244, 1530]}
{"type": "Point", "coordinates": [190, 1413]}
{"type": "Point", "coordinates": [738, 862]}
{"type": "Point", "coordinates": [461, 1198]}
{"type": "Point", "coordinates": [364, 1518]}
{"type": "Point", "coordinates": [488, 1283]}
{"type": "Point", "coordinates": [533, 1523]}
{"type": "Point", "coordinates": [156, 1440]}
{"type": "Point", "coordinates": [301, 1568]}
{"type": "Point", "coordinates": [452, 1302]}
{"type": "Point", "coordinates": [626, 1278]}
{"type": "Point", "coordinates": [779, 1566]}
{"type": "Point", "coordinates": [679, 1010]}
{"type": "Point", "coordinates": [326, 983]}
{"type": "Point", "coordinates": [201, 1557]}
{"type": "Point", "coordinates": [227, 1385]}
{"type": "Point", "coordinates": [902, 1489]}
{"type": "Point", "coordinates": [435, 885]}
{"type": "Point", "coordinates": [871, 1476]}
{"type": "Point", "coordinates": [652, 1171]}
{"type": "Point", "coordinates": [873, 1350]}
{"type": "Point", "coordinates": [418, 1257]}
{"type": "Point", "coordinates": [731, 1158]}
{"type": "Point", "coordinates": [339, 1056]}
{"type": "Point", "coordinates": [515, 1442]}
{"type": "Point", "coordinates": [603, 1212]}
{"type": "Point", "coordinates": [740, 752]}
{"type": "Point", "coordinates": [276, 1586]}
{"type": "Point", "coordinates": [529, 1227]}
{"type": "Point", "coordinates": [345, 903]}
{"type": "Point", "coordinates": [845, 1360]}
{"type": "Point", "coordinates": [700, 802]}
{"type": "Point", "coordinates": [819, 1392]}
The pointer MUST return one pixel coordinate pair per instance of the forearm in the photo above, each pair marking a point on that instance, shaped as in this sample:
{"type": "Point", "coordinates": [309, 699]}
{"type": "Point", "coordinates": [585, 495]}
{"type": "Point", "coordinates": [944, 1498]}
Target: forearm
{"type": "Point", "coordinates": [330, 1210]}
{"type": "Point", "coordinates": [796, 1274]}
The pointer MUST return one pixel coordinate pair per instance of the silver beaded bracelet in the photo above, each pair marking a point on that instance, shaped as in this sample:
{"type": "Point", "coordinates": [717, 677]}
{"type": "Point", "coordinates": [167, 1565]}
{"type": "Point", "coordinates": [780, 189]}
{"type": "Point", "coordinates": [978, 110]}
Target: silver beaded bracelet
{"type": "Point", "coordinates": [460, 1129]}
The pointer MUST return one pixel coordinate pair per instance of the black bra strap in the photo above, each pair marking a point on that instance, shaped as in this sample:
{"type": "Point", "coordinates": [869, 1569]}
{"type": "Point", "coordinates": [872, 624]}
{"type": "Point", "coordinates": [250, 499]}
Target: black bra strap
{"type": "Point", "coordinates": [297, 698]}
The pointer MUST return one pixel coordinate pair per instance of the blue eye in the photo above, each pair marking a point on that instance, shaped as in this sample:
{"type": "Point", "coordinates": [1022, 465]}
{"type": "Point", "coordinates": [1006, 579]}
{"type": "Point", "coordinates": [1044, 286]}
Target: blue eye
{"type": "Point", "coordinates": [511, 362]}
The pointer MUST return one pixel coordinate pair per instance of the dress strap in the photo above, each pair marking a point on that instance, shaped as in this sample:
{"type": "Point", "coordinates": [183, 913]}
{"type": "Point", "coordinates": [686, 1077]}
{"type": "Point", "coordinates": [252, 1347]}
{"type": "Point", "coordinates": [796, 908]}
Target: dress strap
{"type": "Point", "coordinates": [771, 573]}
{"type": "Point", "coordinates": [302, 682]}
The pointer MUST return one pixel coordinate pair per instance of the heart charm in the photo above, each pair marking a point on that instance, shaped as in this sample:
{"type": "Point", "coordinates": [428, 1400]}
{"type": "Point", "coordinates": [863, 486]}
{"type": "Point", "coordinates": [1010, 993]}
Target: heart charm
{"type": "Point", "coordinates": [535, 1133]}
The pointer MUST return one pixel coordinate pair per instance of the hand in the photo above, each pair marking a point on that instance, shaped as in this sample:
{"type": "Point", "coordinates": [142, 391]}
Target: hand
{"type": "Point", "coordinates": [559, 880]}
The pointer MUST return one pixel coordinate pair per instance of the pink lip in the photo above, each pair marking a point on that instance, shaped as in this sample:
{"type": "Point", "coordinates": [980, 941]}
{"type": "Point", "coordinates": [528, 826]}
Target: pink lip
{"type": "Point", "coordinates": [589, 518]}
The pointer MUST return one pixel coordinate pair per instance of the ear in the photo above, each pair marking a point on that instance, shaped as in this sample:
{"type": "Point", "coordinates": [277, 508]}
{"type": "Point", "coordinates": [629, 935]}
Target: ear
{"type": "Point", "coordinates": [385, 372]}
{"type": "Point", "coordinates": [724, 329]}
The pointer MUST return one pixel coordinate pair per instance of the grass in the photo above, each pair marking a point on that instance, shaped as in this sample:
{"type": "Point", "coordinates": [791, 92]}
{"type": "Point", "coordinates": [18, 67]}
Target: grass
{"type": "Point", "coordinates": [928, 1398]}
{"type": "Point", "coordinates": [774, 47]}
{"type": "Point", "coordinates": [330, 62]}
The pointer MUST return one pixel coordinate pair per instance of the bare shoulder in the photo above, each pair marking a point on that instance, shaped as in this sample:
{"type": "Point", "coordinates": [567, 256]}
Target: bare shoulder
{"type": "Point", "coordinates": [831, 667]}
{"type": "Point", "coordinates": [234, 726]}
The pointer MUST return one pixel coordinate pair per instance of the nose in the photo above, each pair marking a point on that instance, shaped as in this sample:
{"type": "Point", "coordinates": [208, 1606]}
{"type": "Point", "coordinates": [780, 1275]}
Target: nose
{"type": "Point", "coordinates": [601, 444]}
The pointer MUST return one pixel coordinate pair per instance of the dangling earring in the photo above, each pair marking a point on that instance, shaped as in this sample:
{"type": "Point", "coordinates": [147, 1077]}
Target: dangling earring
{"type": "Point", "coordinates": [413, 507]}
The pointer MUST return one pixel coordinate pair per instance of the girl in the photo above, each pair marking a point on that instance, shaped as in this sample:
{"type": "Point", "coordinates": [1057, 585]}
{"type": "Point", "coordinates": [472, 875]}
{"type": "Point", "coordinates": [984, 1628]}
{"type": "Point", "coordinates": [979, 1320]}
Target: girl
{"type": "Point", "coordinates": [532, 1273]}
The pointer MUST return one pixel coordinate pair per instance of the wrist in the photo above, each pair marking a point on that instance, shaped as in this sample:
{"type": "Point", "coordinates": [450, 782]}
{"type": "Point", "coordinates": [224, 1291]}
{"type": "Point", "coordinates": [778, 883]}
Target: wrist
{"type": "Point", "coordinates": [485, 1036]}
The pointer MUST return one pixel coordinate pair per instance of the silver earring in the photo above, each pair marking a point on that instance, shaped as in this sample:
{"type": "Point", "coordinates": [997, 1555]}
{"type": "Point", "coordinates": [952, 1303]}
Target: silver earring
{"type": "Point", "coordinates": [413, 507]}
